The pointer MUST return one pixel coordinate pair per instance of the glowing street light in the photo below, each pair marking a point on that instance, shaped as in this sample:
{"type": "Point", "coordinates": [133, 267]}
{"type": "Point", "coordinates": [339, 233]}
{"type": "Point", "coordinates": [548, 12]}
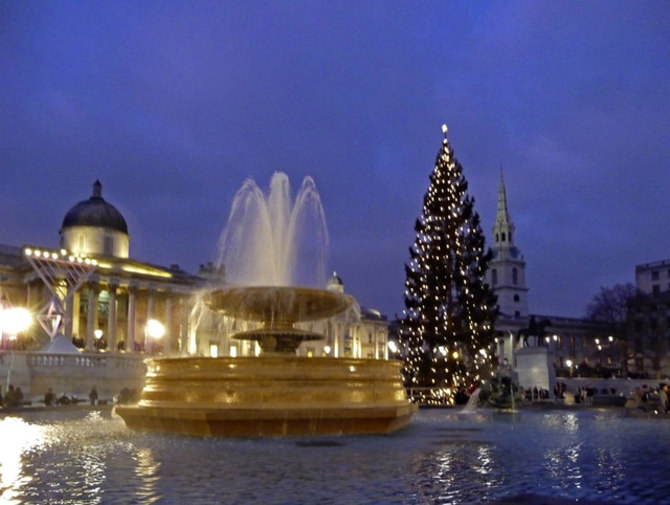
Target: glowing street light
{"type": "Point", "coordinates": [155, 330]}
{"type": "Point", "coordinates": [14, 320]}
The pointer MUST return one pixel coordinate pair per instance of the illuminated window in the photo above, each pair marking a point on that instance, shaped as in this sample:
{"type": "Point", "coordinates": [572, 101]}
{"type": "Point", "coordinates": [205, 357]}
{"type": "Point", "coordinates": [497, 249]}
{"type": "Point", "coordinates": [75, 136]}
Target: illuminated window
{"type": "Point", "coordinates": [233, 351]}
{"type": "Point", "coordinates": [214, 350]}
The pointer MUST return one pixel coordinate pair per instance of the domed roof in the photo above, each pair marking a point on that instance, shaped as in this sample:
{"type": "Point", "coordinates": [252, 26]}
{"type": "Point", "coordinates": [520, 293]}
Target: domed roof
{"type": "Point", "coordinates": [95, 212]}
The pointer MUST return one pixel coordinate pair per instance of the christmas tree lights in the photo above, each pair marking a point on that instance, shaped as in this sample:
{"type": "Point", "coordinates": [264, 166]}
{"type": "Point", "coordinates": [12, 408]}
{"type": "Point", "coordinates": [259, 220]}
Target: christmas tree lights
{"type": "Point", "coordinates": [447, 331]}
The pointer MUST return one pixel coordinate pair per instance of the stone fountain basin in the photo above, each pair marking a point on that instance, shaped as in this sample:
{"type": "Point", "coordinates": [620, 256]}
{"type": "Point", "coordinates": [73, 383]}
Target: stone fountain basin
{"type": "Point", "coordinates": [270, 396]}
{"type": "Point", "coordinates": [277, 306]}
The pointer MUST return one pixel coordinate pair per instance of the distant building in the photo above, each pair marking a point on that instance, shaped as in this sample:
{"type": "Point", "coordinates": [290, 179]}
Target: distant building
{"type": "Point", "coordinates": [648, 321]}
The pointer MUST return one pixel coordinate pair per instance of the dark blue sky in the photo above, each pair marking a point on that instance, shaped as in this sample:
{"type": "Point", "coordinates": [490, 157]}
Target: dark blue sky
{"type": "Point", "coordinates": [173, 104]}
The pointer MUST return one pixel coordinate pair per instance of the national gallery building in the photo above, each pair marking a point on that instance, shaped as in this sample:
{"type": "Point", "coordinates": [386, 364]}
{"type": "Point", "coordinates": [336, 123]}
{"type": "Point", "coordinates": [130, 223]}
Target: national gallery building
{"type": "Point", "coordinates": [101, 313]}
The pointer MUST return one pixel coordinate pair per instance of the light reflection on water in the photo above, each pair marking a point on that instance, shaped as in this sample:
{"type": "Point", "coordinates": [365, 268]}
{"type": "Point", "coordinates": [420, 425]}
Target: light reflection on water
{"type": "Point", "coordinates": [85, 457]}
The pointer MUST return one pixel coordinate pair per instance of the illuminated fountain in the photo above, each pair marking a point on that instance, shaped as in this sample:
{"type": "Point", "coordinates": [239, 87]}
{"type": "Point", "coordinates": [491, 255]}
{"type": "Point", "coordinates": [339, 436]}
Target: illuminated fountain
{"type": "Point", "coordinates": [274, 251]}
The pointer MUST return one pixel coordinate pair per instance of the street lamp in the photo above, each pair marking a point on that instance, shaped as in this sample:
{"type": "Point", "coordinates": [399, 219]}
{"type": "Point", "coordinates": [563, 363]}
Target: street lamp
{"type": "Point", "coordinates": [154, 331]}
{"type": "Point", "coordinates": [98, 344]}
{"type": "Point", "coordinates": [14, 320]}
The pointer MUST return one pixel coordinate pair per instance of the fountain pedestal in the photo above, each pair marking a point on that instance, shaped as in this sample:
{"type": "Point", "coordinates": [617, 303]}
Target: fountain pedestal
{"type": "Point", "coordinates": [270, 396]}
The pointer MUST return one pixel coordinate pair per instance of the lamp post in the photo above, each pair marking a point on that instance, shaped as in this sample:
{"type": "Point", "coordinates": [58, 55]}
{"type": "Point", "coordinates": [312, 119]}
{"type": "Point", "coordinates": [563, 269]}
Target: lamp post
{"type": "Point", "coordinates": [154, 330]}
{"type": "Point", "coordinates": [97, 334]}
{"type": "Point", "coordinates": [13, 320]}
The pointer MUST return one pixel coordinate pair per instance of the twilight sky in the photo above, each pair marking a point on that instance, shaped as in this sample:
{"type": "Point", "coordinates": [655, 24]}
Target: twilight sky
{"type": "Point", "coordinates": [172, 105]}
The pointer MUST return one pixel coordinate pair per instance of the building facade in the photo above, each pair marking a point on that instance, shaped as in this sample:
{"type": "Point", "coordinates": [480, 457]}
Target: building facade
{"type": "Point", "coordinates": [648, 321]}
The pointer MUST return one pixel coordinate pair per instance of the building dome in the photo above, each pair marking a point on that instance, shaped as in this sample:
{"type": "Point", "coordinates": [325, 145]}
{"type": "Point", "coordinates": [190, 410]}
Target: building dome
{"type": "Point", "coordinates": [95, 227]}
{"type": "Point", "coordinates": [95, 212]}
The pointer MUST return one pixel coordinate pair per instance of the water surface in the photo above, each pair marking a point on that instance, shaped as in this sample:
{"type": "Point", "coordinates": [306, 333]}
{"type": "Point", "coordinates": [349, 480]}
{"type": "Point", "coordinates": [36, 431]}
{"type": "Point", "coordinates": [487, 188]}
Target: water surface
{"type": "Point", "coordinates": [89, 457]}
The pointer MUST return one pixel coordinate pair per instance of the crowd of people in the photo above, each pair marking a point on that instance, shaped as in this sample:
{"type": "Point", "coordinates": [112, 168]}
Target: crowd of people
{"type": "Point", "coordinates": [647, 398]}
{"type": "Point", "coordinates": [14, 398]}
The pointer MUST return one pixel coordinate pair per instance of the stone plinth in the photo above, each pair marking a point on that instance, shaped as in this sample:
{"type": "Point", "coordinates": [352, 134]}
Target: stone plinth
{"type": "Point", "coordinates": [270, 396]}
{"type": "Point", "coordinates": [535, 368]}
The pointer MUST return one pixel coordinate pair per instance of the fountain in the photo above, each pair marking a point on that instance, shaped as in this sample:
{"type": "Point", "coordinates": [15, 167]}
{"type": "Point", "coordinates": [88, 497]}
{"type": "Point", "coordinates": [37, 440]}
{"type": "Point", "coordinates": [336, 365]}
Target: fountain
{"type": "Point", "coordinates": [274, 252]}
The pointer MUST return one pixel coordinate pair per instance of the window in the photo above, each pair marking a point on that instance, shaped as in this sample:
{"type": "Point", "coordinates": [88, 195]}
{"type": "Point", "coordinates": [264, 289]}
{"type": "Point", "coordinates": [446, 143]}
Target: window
{"type": "Point", "coordinates": [109, 246]}
{"type": "Point", "coordinates": [214, 349]}
{"type": "Point", "coordinates": [654, 275]}
{"type": "Point", "coordinates": [494, 276]}
{"type": "Point", "coordinates": [503, 236]}
{"type": "Point", "coordinates": [515, 276]}
{"type": "Point", "coordinates": [516, 298]}
{"type": "Point", "coordinates": [656, 289]}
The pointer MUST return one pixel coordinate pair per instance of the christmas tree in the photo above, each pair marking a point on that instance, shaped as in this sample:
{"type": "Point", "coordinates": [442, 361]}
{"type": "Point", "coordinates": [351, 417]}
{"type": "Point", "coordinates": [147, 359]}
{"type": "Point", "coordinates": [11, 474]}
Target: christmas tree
{"type": "Point", "coordinates": [447, 330]}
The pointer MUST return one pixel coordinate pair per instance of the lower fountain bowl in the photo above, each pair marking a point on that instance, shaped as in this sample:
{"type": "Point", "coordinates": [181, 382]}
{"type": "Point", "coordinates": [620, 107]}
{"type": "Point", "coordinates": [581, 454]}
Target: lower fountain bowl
{"type": "Point", "coordinates": [270, 396]}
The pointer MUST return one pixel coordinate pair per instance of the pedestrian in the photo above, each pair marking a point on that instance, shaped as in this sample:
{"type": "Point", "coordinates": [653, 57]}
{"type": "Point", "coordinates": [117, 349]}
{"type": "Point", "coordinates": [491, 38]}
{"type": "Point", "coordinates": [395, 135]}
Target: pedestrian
{"type": "Point", "coordinates": [93, 395]}
{"type": "Point", "coordinates": [663, 397]}
{"type": "Point", "coordinates": [49, 397]}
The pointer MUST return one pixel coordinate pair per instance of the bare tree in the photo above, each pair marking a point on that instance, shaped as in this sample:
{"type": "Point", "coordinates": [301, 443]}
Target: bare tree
{"type": "Point", "coordinates": [610, 305]}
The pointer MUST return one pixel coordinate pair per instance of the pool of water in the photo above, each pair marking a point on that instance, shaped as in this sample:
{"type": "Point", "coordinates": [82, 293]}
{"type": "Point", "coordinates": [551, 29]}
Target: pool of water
{"type": "Point", "coordinates": [444, 457]}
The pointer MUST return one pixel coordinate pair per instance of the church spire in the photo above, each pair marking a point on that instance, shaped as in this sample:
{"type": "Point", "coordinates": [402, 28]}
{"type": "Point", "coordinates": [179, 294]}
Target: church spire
{"type": "Point", "coordinates": [503, 229]}
{"type": "Point", "coordinates": [507, 270]}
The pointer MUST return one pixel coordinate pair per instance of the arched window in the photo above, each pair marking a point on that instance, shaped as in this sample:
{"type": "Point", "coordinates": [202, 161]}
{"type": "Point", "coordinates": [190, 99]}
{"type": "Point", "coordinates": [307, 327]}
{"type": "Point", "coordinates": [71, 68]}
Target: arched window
{"type": "Point", "coordinates": [515, 276]}
{"type": "Point", "coordinates": [503, 236]}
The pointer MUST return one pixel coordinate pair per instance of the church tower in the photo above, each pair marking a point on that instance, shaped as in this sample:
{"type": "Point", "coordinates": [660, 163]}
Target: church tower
{"type": "Point", "coordinates": [507, 270]}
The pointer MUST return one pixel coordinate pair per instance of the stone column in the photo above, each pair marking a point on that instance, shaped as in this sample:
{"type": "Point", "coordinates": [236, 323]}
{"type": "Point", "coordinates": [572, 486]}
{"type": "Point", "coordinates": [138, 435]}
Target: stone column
{"type": "Point", "coordinates": [130, 341]}
{"type": "Point", "coordinates": [167, 338]}
{"type": "Point", "coordinates": [148, 341]}
{"type": "Point", "coordinates": [69, 313]}
{"type": "Point", "coordinates": [91, 317]}
{"type": "Point", "coordinates": [111, 318]}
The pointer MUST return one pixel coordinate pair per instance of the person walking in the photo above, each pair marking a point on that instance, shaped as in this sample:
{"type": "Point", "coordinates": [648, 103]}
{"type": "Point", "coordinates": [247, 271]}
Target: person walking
{"type": "Point", "coordinates": [93, 395]}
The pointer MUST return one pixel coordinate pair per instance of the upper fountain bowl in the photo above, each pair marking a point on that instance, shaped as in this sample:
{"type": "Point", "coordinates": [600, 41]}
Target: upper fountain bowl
{"type": "Point", "coordinates": [277, 306]}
